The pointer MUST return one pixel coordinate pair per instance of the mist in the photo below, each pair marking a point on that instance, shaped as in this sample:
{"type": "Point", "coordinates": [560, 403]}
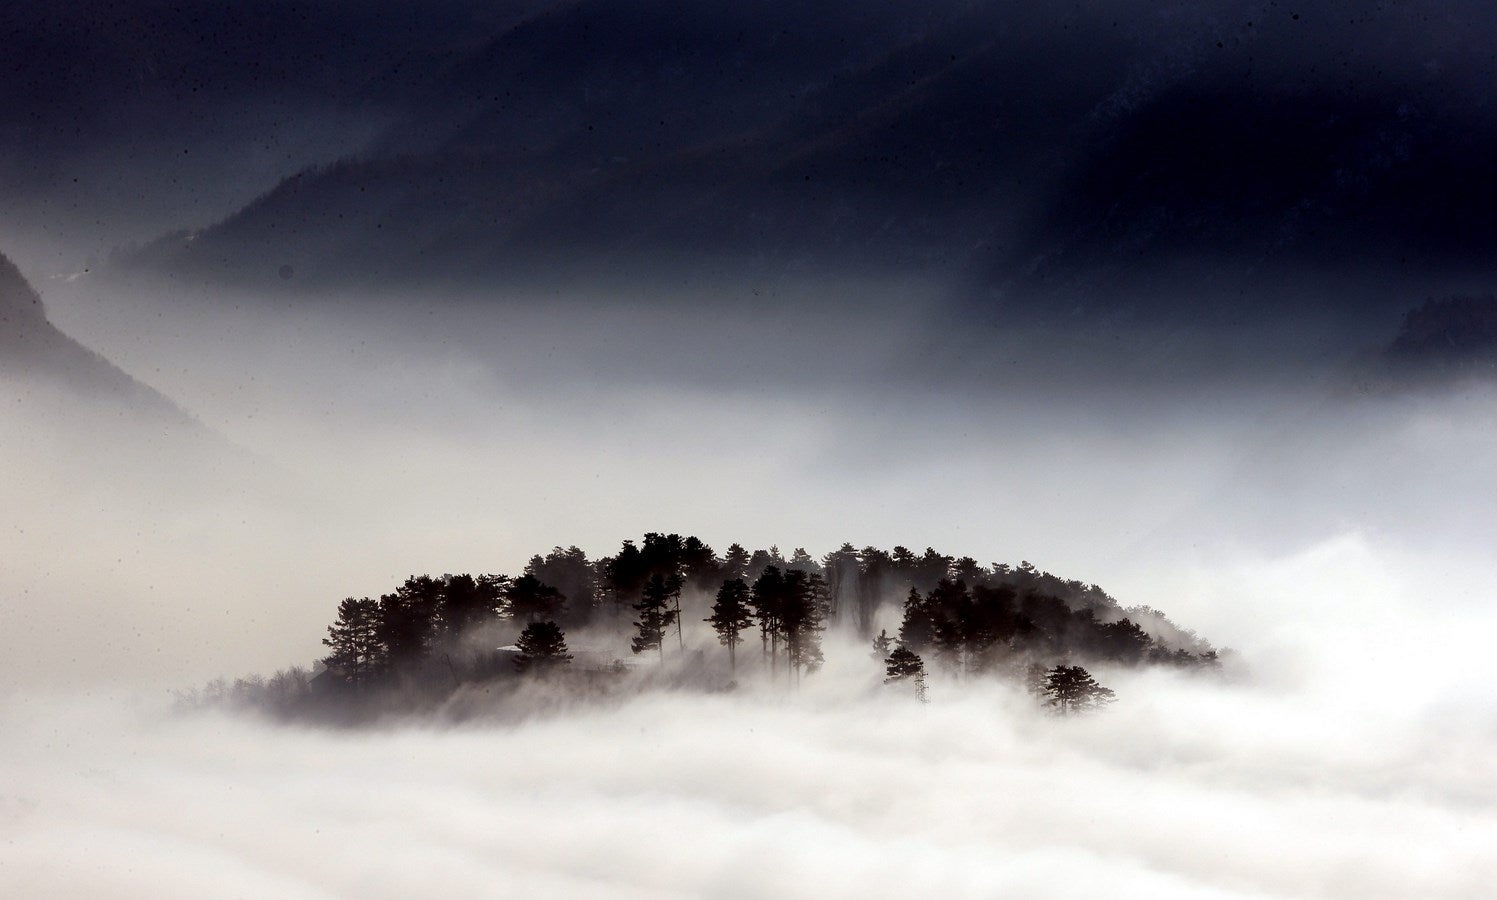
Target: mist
{"type": "Point", "coordinates": [1331, 538]}
{"type": "Point", "coordinates": [334, 295]}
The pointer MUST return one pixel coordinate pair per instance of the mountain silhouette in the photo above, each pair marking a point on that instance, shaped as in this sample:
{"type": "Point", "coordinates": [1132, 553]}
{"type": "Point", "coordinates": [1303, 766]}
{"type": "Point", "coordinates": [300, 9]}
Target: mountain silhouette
{"type": "Point", "coordinates": [1034, 160]}
{"type": "Point", "coordinates": [32, 349]}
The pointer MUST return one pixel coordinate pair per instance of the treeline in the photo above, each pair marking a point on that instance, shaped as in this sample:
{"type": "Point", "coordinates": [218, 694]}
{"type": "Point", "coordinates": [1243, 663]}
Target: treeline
{"type": "Point", "coordinates": [970, 629]}
{"type": "Point", "coordinates": [968, 617]}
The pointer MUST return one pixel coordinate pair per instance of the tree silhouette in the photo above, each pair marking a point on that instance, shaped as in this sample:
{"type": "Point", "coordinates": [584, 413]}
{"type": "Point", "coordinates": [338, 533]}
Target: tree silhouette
{"type": "Point", "coordinates": [767, 597]}
{"type": "Point", "coordinates": [903, 665]}
{"type": "Point", "coordinates": [574, 576]}
{"type": "Point", "coordinates": [1072, 689]}
{"type": "Point", "coordinates": [800, 618]}
{"type": "Point", "coordinates": [841, 569]}
{"type": "Point", "coordinates": [699, 565]}
{"type": "Point", "coordinates": [543, 646]}
{"type": "Point", "coordinates": [1003, 614]}
{"type": "Point", "coordinates": [357, 654]}
{"type": "Point", "coordinates": [655, 616]}
{"type": "Point", "coordinates": [918, 630]}
{"type": "Point", "coordinates": [731, 616]}
{"type": "Point", "coordinates": [625, 575]}
{"type": "Point", "coordinates": [407, 619]}
{"type": "Point", "coordinates": [800, 559]}
{"type": "Point", "coordinates": [1034, 682]}
{"type": "Point", "coordinates": [1123, 641]}
{"type": "Point", "coordinates": [532, 600]}
{"type": "Point", "coordinates": [735, 563]}
{"type": "Point", "coordinates": [468, 601]}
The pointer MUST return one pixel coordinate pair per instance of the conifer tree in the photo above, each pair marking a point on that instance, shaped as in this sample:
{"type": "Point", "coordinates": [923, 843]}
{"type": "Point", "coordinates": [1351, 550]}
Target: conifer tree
{"type": "Point", "coordinates": [532, 600]}
{"type": "Point", "coordinates": [357, 654]}
{"type": "Point", "coordinates": [406, 621]}
{"type": "Point", "coordinates": [902, 666]}
{"type": "Point", "coordinates": [731, 616]}
{"type": "Point", "coordinates": [1071, 689]}
{"type": "Point", "coordinates": [735, 563]}
{"type": "Point", "coordinates": [918, 629]}
{"type": "Point", "coordinates": [767, 598]}
{"type": "Point", "coordinates": [655, 616]}
{"type": "Point", "coordinates": [543, 647]}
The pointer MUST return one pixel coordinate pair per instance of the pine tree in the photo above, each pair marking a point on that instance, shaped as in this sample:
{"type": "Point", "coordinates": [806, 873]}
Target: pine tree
{"type": "Point", "coordinates": [918, 629]}
{"type": "Point", "coordinates": [655, 616]}
{"type": "Point", "coordinates": [532, 600]}
{"type": "Point", "coordinates": [731, 616]}
{"type": "Point", "coordinates": [574, 576]}
{"type": "Point", "coordinates": [735, 563]}
{"type": "Point", "coordinates": [543, 647]}
{"type": "Point", "coordinates": [903, 665]}
{"type": "Point", "coordinates": [469, 601]}
{"type": "Point", "coordinates": [1034, 682]}
{"type": "Point", "coordinates": [625, 575]}
{"type": "Point", "coordinates": [1071, 689]}
{"type": "Point", "coordinates": [802, 614]}
{"type": "Point", "coordinates": [357, 654]}
{"type": "Point", "coordinates": [767, 598]}
{"type": "Point", "coordinates": [406, 621]}
{"type": "Point", "coordinates": [800, 559]}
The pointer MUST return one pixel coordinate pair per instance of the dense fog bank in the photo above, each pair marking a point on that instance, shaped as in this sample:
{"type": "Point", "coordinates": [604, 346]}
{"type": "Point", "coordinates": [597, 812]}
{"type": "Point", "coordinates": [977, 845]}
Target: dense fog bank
{"type": "Point", "coordinates": [1320, 783]}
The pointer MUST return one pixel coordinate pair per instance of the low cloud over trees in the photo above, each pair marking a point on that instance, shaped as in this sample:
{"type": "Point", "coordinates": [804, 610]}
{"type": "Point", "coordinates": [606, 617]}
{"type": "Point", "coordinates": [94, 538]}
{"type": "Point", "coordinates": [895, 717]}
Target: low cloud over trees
{"type": "Point", "coordinates": [690, 609]}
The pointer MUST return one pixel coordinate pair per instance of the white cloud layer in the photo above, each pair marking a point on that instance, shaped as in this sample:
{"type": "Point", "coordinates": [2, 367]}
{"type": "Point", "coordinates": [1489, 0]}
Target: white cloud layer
{"type": "Point", "coordinates": [1341, 546]}
{"type": "Point", "coordinates": [1352, 774]}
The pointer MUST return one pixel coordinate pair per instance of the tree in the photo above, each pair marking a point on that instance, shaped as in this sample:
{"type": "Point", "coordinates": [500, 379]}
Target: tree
{"type": "Point", "coordinates": [918, 630]}
{"type": "Point", "coordinates": [875, 574]}
{"type": "Point", "coordinates": [699, 564]}
{"type": "Point", "coordinates": [1071, 689]}
{"type": "Point", "coordinates": [731, 616]}
{"type": "Point", "coordinates": [625, 575]}
{"type": "Point", "coordinates": [735, 563]}
{"type": "Point", "coordinates": [655, 616]}
{"type": "Point", "coordinates": [1034, 682]}
{"type": "Point", "coordinates": [357, 654]}
{"type": "Point", "coordinates": [763, 559]}
{"type": "Point", "coordinates": [767, 597]}
{"type": "Point", "coordinates": [930, 568]}
{"type": "Point", "coordinates": [532, 600]}
{"type": "Point", "coordinates": [802, 560]}
{"type": "Point", "coordinates": [841, 568]}
{"type": "Point", "coordinates": [468, 601]}
{"type": "Point", "coordinates": [407, 620]}
{"type": "Point", "coordinates": [1123, 641]}
{"type": "Point", "coordinates": [904, 665]}
{"type": "Point", "coordinates": [543, 647]}
{"type": "Point", "coordinates": [952, 617]}
{"type": "Point", "coordinates": [801, 611]}
{"type": "Point", "coordinates": [571, 573]}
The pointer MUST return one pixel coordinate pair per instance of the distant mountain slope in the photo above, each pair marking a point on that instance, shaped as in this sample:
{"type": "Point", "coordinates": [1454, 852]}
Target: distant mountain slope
{"type": "Point", "coordinates": [1048, 160]}
{"type": "Point", "coordinates": [32, 348]}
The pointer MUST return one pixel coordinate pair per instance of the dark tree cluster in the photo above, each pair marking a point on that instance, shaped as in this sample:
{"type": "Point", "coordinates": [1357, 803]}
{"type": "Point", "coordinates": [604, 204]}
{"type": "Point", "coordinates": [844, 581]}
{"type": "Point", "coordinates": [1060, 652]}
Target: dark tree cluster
{"type": "Point", "coordinates": [965, 617]}
{"type": "Point", "coordinates": [972, 629]}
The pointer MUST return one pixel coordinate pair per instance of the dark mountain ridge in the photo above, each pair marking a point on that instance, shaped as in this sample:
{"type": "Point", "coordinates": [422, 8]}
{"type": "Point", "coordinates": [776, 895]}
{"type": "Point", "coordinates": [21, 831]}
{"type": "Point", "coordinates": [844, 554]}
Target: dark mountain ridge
{"type": "Point", "coordinates": [1101, 159]}
{"type": "Point", "coordinates": [33, 349]}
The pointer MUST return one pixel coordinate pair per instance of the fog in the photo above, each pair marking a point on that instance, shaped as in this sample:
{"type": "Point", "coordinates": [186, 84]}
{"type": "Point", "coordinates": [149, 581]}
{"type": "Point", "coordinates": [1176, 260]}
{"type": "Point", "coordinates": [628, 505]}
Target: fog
{"type": "Point", "coordinates": [1334, 538]}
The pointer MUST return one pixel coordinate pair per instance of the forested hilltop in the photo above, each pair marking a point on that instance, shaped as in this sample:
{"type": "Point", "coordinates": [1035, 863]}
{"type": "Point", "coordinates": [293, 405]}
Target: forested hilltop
{"type": "Point", "coordinates": [671, 612]}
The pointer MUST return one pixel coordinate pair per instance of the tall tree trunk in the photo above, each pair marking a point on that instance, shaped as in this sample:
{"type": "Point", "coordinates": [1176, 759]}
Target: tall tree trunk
{"type": "Point", "coordinates": [680, 642]}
